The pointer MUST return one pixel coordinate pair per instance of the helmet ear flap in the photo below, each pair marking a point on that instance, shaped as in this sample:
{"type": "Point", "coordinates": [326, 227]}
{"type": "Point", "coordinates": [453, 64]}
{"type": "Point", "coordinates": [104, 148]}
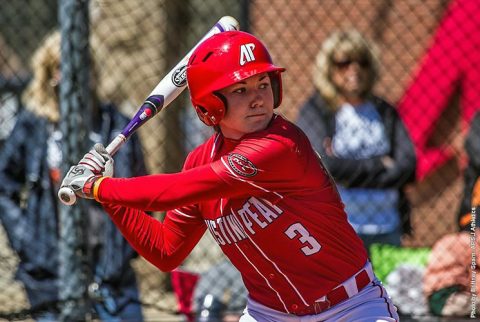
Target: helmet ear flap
{"type": "Point", "coordinates": [203, 115]}
{"type": "Point", "coordinates": [276, 83]}
{"type": "Point", "coordinates": [218, 106]}
{"type": "Point", "coordinates": [223, 99]}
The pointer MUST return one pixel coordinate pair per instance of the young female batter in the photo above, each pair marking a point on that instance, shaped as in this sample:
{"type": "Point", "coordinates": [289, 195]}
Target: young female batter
{"type": "Point", "coordinates": [258, 187]}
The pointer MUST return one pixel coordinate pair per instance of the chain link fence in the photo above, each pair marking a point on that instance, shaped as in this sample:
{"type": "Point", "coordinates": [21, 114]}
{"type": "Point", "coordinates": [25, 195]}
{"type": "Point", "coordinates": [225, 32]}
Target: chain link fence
{"type": "Point", "coordinates": [427, 53]}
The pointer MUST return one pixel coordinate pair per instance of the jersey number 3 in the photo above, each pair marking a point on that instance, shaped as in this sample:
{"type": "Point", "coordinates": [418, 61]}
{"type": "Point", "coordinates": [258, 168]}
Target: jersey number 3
{"type": "Point", "coordinates": [311, 244]}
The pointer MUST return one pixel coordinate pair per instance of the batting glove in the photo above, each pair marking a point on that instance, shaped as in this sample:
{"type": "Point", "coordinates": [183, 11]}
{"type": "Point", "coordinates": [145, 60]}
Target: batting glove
{"type": "Point", "coordinates": [98, 160]}
{"type": "Point", "coordinates": [81, 180]}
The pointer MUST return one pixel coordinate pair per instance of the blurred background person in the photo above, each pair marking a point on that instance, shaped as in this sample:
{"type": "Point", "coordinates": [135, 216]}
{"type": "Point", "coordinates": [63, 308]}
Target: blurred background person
{"type": "Point", "coordinates": [360, 138]}
{"type": "Point", "coordinates": [454, 262]}
{"type": "Point", "coordinates": [30, 162]}
{"type": "Point", "coordinates": [10, 90]}
{"type": "Point", "coordinates": [220, 294]}
{"type": "Point", "coordinates": [471, 173]}
{"type": "Point", "coordinates": [450, 279]}
{"type": "Point", "coordinates": [13, 79]}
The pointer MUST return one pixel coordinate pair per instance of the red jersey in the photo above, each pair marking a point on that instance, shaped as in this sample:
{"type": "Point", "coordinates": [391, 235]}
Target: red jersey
{"type": "Point", "coordinates": [268, 202]}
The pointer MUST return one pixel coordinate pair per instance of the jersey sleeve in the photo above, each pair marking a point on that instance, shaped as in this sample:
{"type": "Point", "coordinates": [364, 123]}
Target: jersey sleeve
{"type": "Point", "coordinates": [166, 244]}
{"type": "Point", "coordinates": [163, 192]}
{"type": "Point", "coordinates": [268, 164]}
{"type": "Point", "coordinates": [252, 168]}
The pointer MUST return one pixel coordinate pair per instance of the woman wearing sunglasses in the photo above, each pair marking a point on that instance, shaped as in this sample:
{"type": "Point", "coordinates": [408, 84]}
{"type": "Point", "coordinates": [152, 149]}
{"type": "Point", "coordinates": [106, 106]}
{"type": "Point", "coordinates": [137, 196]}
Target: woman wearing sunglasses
{"type": "Point", "coordinates": [360, 138]}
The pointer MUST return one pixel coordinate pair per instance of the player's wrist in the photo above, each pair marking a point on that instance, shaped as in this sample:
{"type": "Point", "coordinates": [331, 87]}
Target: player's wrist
{"type": "Point", "coordinates": [87, 189]}
{"type": "Point", "coordinates": [96, 187]}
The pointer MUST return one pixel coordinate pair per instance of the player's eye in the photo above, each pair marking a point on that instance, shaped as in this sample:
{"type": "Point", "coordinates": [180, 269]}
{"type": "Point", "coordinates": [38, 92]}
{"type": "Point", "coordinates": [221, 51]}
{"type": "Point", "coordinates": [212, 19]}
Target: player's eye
{"type": "Point", "coordinates": [264, 85]}
{"type": "Point", "coordinates": [239, 90]}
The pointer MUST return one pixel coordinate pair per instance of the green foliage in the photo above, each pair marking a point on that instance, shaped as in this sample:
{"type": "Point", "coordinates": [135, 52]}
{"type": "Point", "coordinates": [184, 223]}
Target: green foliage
{"type": "Point", "coordinates": [385, 258]}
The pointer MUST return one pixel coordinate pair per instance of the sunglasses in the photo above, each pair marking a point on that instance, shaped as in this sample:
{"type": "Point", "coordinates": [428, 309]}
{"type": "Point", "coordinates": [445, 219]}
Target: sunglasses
{"type": "Point", "coordinates": [343, 64]}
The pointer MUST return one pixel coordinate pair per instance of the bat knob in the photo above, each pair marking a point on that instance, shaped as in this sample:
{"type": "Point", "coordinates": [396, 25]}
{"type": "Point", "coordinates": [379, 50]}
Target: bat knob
{"type": "Point", "coordinates": [230, 22]}
{"type": "Point", "coordinates": [67, 196]}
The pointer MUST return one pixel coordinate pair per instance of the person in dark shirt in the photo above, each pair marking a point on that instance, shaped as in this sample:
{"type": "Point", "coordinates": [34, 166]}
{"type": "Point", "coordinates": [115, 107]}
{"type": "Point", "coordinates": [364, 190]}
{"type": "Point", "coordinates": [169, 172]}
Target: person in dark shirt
{"type": "Point", "coordinates": [30, 172]}
{"type": "Point", "coordinates": [360, 137]}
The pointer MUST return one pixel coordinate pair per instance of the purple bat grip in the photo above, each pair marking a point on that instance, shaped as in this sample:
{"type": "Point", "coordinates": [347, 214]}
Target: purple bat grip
{"type": "Point", "coordinates": [152, 105]}
{"type": "Point", "coordinates": [220, 27]}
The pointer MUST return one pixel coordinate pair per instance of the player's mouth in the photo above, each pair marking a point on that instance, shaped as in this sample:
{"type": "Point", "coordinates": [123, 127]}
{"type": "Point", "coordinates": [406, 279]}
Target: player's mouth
{"type": "Point", "coordinates": [256, 115]}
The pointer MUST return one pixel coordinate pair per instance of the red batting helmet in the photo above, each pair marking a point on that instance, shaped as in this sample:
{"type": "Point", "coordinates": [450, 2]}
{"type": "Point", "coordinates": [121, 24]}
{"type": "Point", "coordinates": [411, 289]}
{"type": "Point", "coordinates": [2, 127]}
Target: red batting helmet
{"type": "Point", "coordinates": [222, 60]}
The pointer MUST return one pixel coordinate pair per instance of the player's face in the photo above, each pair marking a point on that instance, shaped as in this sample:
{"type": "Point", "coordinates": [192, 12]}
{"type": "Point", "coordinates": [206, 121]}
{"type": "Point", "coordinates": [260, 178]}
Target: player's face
{"type": "Point", "coordinates": [250, 106]}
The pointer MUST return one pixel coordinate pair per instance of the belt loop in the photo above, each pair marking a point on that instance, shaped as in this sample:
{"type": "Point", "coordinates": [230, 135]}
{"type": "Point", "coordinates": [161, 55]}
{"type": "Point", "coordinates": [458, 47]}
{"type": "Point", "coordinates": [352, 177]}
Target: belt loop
{"type": "Point", "coordinates": [321, 305]}
{"type": "Point", "coordinates": [369, 269]}
{"type": "Point", "coordinates": [351, 286]}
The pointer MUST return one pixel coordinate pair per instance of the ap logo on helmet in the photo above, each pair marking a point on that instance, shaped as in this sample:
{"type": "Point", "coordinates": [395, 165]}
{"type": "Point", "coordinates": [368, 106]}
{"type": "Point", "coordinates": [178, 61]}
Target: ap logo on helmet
{"type": "Point", "coordinates": [246, 53]}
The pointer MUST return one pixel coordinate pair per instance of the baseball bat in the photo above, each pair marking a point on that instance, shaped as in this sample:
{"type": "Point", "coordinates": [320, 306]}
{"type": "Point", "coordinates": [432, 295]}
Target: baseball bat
{"type": "Point", "coordinates": [162, 95]}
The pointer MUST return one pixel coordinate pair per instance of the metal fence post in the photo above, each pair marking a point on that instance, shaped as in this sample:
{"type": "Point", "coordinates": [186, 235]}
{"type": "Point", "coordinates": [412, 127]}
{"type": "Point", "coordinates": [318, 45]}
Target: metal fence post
{"type": "Point", "coordinates": [74, 104]}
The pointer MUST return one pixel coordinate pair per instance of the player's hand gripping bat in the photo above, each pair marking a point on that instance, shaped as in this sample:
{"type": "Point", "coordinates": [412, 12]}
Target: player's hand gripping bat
{"type": "Point", "coordinates": [162, 95]}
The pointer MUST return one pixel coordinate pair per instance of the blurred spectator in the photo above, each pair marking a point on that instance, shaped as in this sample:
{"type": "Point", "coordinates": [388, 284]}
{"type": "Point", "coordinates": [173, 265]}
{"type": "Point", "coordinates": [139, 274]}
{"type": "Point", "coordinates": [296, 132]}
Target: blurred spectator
{"type": "Point", "coordinates": [13, 79]}
{"type": "Point", "coordinates": [361, 138]}
{"type": "Point", "coordinates": [30, 163]}
{"type": "Point", "coordinates": [10, 92]}
{"type": "Point", "coordinates": [220, 294]}
{"type": "Point", "coordinates": [404, 284]}
{"type": "Point", "coordinates": [9, 107]}
{"type": "Point", "coordinates": [472, 171]}
{"type": "Point", "coordinates": [447, 68]}
{"type": "Point", "coordinates": [447, 281]}
{"type": "Point", "coordinates": [454, 264]}
{"type": "Point", "coordinates": [195, 131]}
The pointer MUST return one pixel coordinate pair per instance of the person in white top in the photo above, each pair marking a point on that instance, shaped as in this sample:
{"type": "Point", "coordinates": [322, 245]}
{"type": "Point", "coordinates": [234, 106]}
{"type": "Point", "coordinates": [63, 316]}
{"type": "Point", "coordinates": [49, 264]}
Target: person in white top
{"type": "Point", "coordinates": [360, 138]}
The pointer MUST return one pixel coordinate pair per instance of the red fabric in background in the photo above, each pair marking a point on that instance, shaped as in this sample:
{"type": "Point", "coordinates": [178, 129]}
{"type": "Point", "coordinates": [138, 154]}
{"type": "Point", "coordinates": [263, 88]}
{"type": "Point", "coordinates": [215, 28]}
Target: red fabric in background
{"type": "Point", "coordinates": [452, 62]}
{"type": "Point", "coordinates": [183, 284]}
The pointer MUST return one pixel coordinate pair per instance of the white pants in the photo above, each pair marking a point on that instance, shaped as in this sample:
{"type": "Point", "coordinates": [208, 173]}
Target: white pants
{"type": "Point", "coordinates": [371, 304]}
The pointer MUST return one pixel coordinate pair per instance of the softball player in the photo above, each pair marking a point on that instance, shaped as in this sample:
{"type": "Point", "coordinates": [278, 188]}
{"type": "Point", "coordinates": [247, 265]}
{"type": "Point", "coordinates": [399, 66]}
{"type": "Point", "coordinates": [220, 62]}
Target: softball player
{"type": "Point", "coordinates": [258, 187]}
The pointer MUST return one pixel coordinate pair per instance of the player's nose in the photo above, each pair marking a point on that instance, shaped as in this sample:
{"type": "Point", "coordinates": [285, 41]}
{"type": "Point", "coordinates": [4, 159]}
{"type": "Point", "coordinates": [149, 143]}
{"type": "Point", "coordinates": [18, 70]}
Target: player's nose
{"type": "Point", "coordinates": [257, 99]}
